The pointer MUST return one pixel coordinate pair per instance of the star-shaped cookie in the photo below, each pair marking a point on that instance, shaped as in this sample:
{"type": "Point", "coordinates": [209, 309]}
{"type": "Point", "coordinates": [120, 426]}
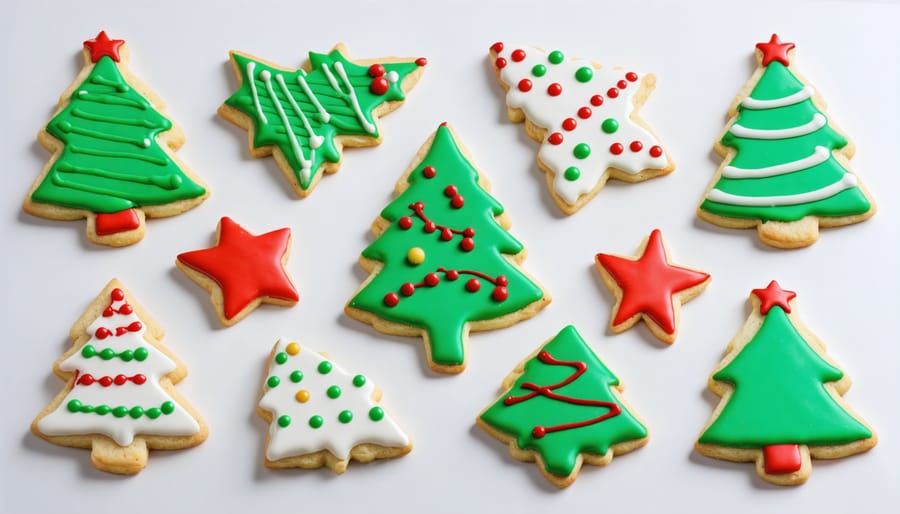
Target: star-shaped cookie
{"type": "Point", "coordinates": [242, 270]}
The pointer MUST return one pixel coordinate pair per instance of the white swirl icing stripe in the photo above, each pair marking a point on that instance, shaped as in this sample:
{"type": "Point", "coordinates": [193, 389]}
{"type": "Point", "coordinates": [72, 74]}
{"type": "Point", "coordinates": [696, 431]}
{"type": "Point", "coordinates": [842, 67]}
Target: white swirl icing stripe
{"type": "Point", "coordinates": [820, 155]}
{"type": "Point", "coordinates": [818, 121]}
{"type": "Point", "coordinates": [846, 182]}
{"type": "Point", "coordinates": [795, 98]}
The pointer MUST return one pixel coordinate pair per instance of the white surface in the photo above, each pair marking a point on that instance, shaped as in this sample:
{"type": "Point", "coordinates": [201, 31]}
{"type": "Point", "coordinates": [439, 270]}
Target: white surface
{"type": "Point", "coordinates": [847, 282]}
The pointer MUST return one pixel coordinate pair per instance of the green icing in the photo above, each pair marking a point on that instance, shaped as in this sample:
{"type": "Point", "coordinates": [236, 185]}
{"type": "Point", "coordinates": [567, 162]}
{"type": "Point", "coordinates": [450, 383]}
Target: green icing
{"type": "Point", "coordinates": [76, 406]}
{"type": "Point", "coordinates": [443, 311]}
{"type": "Point", "coordinates": [111, 160]}
{"type": "Point", "coordinates": [777, 81]}
{"type": "Point", "coordinates": [296, 120]}
{"type": "Point", "coordinates": [559, 450]}
{"type": "Point", "coordinates": [779, 395]}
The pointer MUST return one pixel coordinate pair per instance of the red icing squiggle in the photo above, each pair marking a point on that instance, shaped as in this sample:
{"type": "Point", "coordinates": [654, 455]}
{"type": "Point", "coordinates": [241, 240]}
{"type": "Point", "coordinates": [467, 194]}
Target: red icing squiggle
{"type": "Point", "coordinates": [103, 332]}
{"type": "Point", "coordinates": [106, 381]}
{"type": "Point", "coordinates": [446, 233]}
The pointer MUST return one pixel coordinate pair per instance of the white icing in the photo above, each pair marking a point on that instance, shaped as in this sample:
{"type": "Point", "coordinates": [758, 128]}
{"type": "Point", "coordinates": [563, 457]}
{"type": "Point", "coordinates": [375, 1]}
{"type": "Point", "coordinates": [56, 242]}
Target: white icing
{"type": "Point", "coordinates": [295, 144]}
{"type": "Point", "coordinates": [315, 141]}
{"type": "Point", "coordinates": [350, 95]}
{"type": "Point", "coordinates": [392, 76]}
{"type": "Point", "coordinates": [818, 121]}
{"type": "Point", "coordinates": [323, 114]}
{"type": "Point", "coordinates": [550, 111]}
{"type": "Point", "coordinates": [799, 96]}
{"type": "Point", "coordinates": [251, 66]}
{"type": "Point", "coordinates": [150, 394]}
{"type": "Point", "coordinates": [146, 142]}
{"type": "Point", "coordinates": [846, 182]}
{"type": "Point", "coordinates": [299, 438]}
{"type": "Point", "coordinates": [819, 156]}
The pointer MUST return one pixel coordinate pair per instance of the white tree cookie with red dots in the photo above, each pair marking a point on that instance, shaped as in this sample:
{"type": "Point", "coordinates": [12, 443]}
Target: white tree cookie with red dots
{"type": "Point", "coordinates": [584, 116]}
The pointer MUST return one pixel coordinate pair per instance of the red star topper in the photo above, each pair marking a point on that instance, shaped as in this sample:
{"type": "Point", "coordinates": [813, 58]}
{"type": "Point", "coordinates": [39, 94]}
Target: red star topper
{"type": "Point", "coordinates": [775, 50]}
{"type": "Point", "coordinates": [102, 45]}
{"type": "Point", "coordinates": [774, 295]}
{"type": "Point", "coordinates": [242, 270]}
{"type": "Point", "coordinates": [649, 287]}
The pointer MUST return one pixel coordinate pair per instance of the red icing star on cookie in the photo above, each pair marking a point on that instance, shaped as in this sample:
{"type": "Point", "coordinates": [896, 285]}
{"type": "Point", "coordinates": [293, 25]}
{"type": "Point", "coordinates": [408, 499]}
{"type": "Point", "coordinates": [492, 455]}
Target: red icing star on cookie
{"type": "Point", "coordinates": [775, 50]}
{"type": "Point", "coordinates": [774, 295]}
{"type": "Point", "coordinates": [242, 270]}
{"type": "Point", "coordinates": [649, 287]}
{"type": "Point", "coordinates": [102, 45]}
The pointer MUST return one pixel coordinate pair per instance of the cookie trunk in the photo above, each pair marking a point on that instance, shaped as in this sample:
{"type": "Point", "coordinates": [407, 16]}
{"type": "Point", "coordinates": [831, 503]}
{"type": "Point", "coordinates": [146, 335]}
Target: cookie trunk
{"type": "Point", "coordinates": [792, 234]}
{"type": "Point", "coordinates": [123, 460]}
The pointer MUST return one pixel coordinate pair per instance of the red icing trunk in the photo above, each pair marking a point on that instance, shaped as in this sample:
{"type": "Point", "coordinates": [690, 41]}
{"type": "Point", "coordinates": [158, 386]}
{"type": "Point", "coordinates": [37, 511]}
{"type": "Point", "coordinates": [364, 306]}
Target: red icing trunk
{"type": "Point", "coordinates": [113, 223]}
{"type": "Point", "coordinates": [781, 459]}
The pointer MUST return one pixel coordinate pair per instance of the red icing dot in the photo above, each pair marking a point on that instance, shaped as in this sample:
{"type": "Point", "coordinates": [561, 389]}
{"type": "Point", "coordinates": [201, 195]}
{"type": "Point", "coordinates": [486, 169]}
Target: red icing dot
{"type": "Point", "coordinates": [497, 47]}
{"type": "Point", "coordinates": [421, 61]}
{"type": "Point", "coordinates": [612, 93]}
{"type": "Point", "coordinates": [555, 138]}
{"type": "Point", "coordinates": [405, 222]}
{"type": "Point", "coordinates": [107, 312]}
{"type": "Point", "coordinates": [502, 281]}
{"type": "Point", "coordinates": [430, 227]}
{"type": "Point", "coordinates": [446, 234]}
{"type": "Point", "coordinates": [376, 70]}
{"type": "Point", "coordinates": [125, 309]}
{"type": "Point", "coordinates": [616, 148]}
{"type": "Point", "coordinates": [538, 432]}
{"type": "Point", "coordinates": [117, 294]}
{"type": "Point", "coordinates": [596, 100]}
{"type": "Point", "coordinates": [569, 124]}
{"type": "Point", "coordinates": [120, 379]}
{"type": "Point", "coordinates": [500, 294]}
{"type": "Point", "coordinates": [86, 379]}
{"type": "Point", "coordinates": [429, 171]}
{"type": "Point", "coordinates": [473, 285]}
{"type": "Point", "coordinates": [407, 289]}
{"type": "Point", "coordinates": [469, 232]}
{"type": "Point", "coordinates": [391, 299]}
{"type": "Point", "coordinates": [451, 274]}
{"type": "Point", "coordinates": [500, 63]}
{"type": "Point", "coordinates": [584, 113]}
{"type": "Point", "coordinates": [636, 146]}
{"type": "Point", "coordinates": [418, 206]}
{"type": "Point", "coordinates": [450, 190]}
{"type": "Point", "coordinates": [518, 55]}
{"type": "Point", "coordinates": [139, 379]}
{"type": "Point", "coordinates": [525, 85]}
{"type": "Point", "coordinates": [631, 76]}
{"type": "Point", "coordinates": [379, 86]}
{"type": "Point", "coordinates": [457, 201]}
{"type": "Point", "coordinates": [105, 381]}
{"type": "Point", "coordinates": [432, 279]}
{"type": "Point", "coordinates": [467, 244]}
{"type": "Point", "coordinates": [656, 151]}
{"type": "Point", "coordinates": [622, 84]}
{"type": "Point", "coordinates": [102, 333]}
{"type": "Point", "coordinates": [554, 89]}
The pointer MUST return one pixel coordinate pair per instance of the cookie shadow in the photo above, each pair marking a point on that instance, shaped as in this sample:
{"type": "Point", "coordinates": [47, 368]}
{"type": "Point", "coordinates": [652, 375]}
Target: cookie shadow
{"type": "Point", "coordinates": [201, 295]}
{"type": "Point", "coordinates": [511, 464]}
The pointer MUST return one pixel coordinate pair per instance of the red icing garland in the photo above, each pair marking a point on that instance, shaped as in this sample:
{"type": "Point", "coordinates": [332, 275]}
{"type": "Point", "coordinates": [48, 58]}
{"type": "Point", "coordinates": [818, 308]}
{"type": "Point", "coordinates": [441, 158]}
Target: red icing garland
{"type": "Point", "coordinates": [499, 294]}
{"type": "Point", "coordinates": [446, 233]}
{"type": "Point", "coordinates": [106, 381]}
{"type": "Point", "coordinates": [103, 332]}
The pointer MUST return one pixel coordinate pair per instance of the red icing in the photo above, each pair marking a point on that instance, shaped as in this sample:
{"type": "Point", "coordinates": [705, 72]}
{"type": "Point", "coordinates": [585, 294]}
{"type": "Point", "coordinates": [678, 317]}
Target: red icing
{"type": "Point", "coordinates": [102, 333]}
{"type": "Point", "coordinates": [102, 45]}
{"type": "Point", "coordinates": [656, 151]}
{"type": "Point", "coordinates": [418, 209]}
{"type": "Point", "coordinates": [569, 124]}
{"type": "Point", "coordinates": [391, 299]}
{"type": "Point", "coordinates": [450, 190]}
{"type": "Point", "coordinates": [376, 70]}
{"type": "Point", "coordinates": [246, 267]}
{"type": "Point", "coordinates": [631, 76]}
{"type": "Point", "coordinates": [621, 84]}
{"type": "Point", "coordinates": [500, 294]}
{"type": "Point", "coordinates": [612, 92]}
{"type": "Point", "coordinates": [596, 100]}
{"type": "Point", "coordinates": [648, 283]}
{"type": "Point", "coordinates": [497, 47]}
{"type": "Point", "coordinates": [584, 113]}
{"type": "Point", "coordinates": [106, 381]}
{"type": "Point", "coordinates": [781, 459]}
{"type": "Point", "coordinates": [636, 146]}
{"type": "Point", "coordinates": [525, 85]}
{"type": "Point", "coordinates": [775, 50]}
{"type": "Point", "coordinates": [500, 62]}
{"type": "Point", "coordinates": [554, 89]}
{"type": "Point", "coordinates": [518, 55]}
{"type": "Point", "coordinates": [555, 138]}
{"type": "Point", "coordinates": [405, 222]}
{"type": "Point", "coordinates": [106, 224]}
{"type": "Point", "coordinates": [421, 61]}
{"type": "Point", "coordinates": [616, 148]}
{"type": "Point", "coordinates": [379, 86]}
{"type": "Point", "coordinates": [429, 172]}
{"type": "Point", "coordinates": [457, 202]}
{"type": "Point", "coordinates": [548, 391]}
{"type": "Point", "coordinates": [467, 244]}
{"type": "Point", "coordinates": [473, 285]}
{"type": "Point", "coordinates": [774, 295]}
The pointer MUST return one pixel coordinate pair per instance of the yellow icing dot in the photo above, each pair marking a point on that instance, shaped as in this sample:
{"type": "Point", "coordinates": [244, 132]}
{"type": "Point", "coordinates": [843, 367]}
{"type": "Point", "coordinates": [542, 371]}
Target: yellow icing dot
{"type": "Point", "coordinates": [416, 256]}
{"type": "Point", "coordinates": [293, 349]}
{"type": "Point", "coordinates": [302, 396]}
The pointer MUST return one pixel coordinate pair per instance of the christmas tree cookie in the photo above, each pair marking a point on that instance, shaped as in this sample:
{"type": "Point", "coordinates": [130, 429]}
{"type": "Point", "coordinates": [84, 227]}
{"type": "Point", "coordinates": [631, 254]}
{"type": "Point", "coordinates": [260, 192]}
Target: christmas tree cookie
{"type": "Point", "coordinates": [782, 397]}
{"type": "Point", "coordinates": [320, 415]}
{"type": "Point", "coordinates": [648, 287]}
{"type": "Point", "coordinates": [562, 407]}
{"type": "Point", "coordinates": [786, 168]}
{"type": "Point", "coordinates": [119, 399]}
{"type": "Point", "coordinates": [443, 262]}
{"type": "Point", "coordinates": [242, 271]}
{"type": "Point", "coordinates": [305, 117]}
{"type": "Point", "coordinates": [584, 116]}
{"type": "Point", "coordinates": [113, 153]}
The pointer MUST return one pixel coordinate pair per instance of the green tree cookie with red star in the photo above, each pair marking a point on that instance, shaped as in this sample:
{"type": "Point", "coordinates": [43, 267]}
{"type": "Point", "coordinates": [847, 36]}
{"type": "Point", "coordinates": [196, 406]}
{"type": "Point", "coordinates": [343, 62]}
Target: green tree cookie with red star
{"type": "Point", "coordinates": [782, 397]}
{"type": "Point", "coordinates": [649, 287]}
{"type": "Point", "coordinates": [242, 270]}
{"type": "Point", "coordinates": [113, 153]}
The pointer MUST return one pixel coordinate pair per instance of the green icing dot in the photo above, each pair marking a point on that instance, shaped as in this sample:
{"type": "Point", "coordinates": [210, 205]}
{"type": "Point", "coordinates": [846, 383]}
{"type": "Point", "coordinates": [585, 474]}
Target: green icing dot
{"type": "Point", "coordinates": [376, 413]}
{"type": "Point", "coordinates": [127, 355]}
{"type": "Point", "coordinates": [359, 380]}
{"type": "Point", "coordinates": [296, 376]}
{"type": "Point", "coordinates": [316, 421]}
{"type": "Point", "coordinates": [581, 151]}
{"type": "Point", "coordinates": [74, 406]}
{"type": "Point", "coordinates": [284, 421]}
{"type": "Point", "coordinates": [325, 367]}
{"type": "Point", "coordinates": [167, 407]}
{"type": "Point", "coordinates": [281, 357]}
{"type": "Point", "coordinates": [153, 412]}
{"type": "Point", "coordinates": [584, 74]}
{"type": "Point", "coordinates": [273, 381]}
{"type": "Point", "coordinates": [333, 392]}
{"type": "Point", "coordinates": [88, 351]}
{"type": "Point", "coordinates": [610, 125]}
{"type": "Point", "coordinates": [556, 57]}
{"type": "Point", "coordinates": [345, 416]}
{"type": "Point", "coordinates": [572, 173]}
{"type": "Point", "coordinates": [107, 353]}
{"type": "Point", "coordinates": [539, 70]}
{"type": "Point", "coordinates": [120, 412]}
{"type": "Point", "coordinates": [141, 354]}
{"type": "Point", "coordinates": [102, 410]}
{"type": "Point", "coordinates": [136, 412]}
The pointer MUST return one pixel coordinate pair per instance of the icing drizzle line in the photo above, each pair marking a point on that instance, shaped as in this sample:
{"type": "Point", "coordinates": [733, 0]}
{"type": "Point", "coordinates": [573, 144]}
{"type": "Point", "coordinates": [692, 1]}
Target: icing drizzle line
{"type": "Point", "coordinates": [818, 121]}
{"type": "Point", "coordinates": [846, 182]}
{"type": "Point", "coordinates": [819, 156]}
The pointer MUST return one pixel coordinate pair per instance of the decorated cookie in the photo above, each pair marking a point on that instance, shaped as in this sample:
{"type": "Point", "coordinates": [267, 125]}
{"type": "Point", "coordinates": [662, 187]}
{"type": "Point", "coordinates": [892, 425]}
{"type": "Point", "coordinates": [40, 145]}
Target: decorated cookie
{"type": "Point", "coordinates": [584, 116]}
{"type": "Point", "coordinates": [320, 415]}
{"type": "Point", "coordinates": [305, 117]}
{"type": "Point", "coordinates": [242, 270]}
{"type": "Point", "coordinates": [119, 399]}
{"type": "Point", "coordinates": [443, 262]}
{"type": "Point", "coordinates": [649, 287]}
{"type": "Point", "coordinates": [782, 397]}
{"type": "Point", "coordinates": [113, 153]}
{"type": "Point", "coordinates": [786, 169]}
{"type": "Point", "coordinates": [562, 407]}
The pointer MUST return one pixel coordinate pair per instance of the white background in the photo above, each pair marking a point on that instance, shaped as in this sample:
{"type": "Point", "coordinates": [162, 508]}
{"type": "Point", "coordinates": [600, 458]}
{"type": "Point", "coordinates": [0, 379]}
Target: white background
{"type": "Point", "coordinates": [702, 54]}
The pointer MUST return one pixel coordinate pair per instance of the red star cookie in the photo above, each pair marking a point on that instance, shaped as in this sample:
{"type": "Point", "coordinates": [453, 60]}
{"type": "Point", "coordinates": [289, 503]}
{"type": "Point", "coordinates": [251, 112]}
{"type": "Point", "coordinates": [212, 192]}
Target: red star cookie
{"type": "Point", "coordinates": [242, 270]}
{"type": "Point", "coordinates": [649, 287]}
